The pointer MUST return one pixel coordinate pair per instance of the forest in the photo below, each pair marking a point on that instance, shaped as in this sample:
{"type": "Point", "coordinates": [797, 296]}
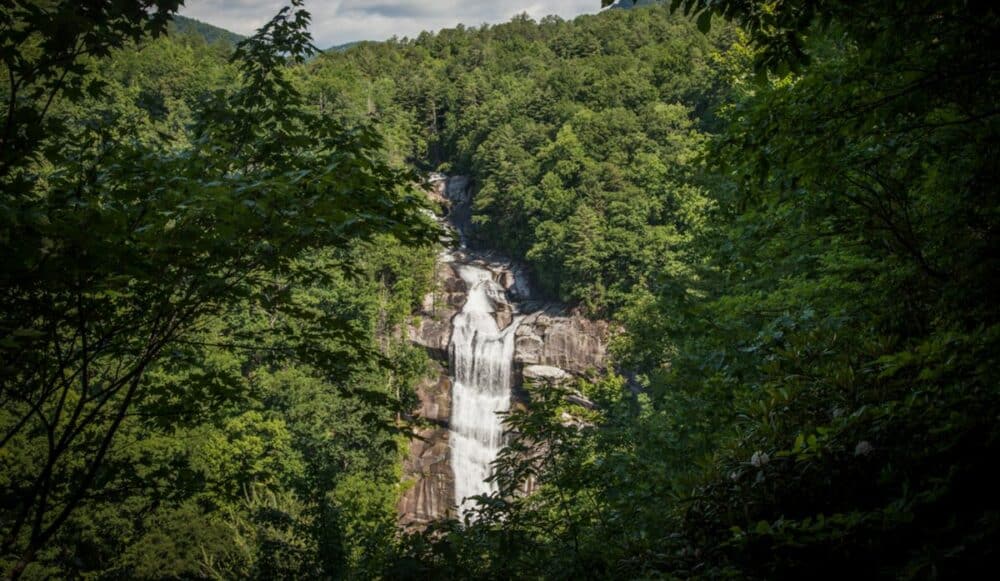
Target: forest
{"type": "Point", "coordinates": [211, 247]}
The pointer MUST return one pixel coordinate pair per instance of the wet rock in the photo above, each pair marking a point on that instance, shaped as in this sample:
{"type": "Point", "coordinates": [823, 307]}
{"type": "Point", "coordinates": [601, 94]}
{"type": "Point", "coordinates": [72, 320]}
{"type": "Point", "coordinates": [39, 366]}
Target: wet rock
{"type": "Point", "coordinates": [437, 186]}
{"type": "Point", "coordinates": [503, 315]}
{"type": "Point", "coordinates": [551, 346]}
{"type": "Point", "coordinates": [457, 189]}
{"type": "Point", "coordinates": [506, 279]}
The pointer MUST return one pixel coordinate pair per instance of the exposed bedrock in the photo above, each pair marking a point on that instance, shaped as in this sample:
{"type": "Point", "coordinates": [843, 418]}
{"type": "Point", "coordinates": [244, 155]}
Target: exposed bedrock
{"type": "Point", "coordinates": [568, 342]}
{"type": "Point", "coordinates": [551, 346]}
{"type": "Point", "coordinates": [427, 467]}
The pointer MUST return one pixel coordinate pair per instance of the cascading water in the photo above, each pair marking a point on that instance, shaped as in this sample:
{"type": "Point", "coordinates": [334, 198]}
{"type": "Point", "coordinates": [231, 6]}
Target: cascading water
{"type": "Point", "coordinates": [482, 355]}
{"type": "Point", "coordinates": [450, 465]}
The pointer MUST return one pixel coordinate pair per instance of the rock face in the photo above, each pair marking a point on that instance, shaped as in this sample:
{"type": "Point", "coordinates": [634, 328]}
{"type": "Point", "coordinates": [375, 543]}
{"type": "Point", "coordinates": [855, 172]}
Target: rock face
{"type": "Point", "coordinates": [565, 341]}
{"type": "Point", "coordinates": [432, 493]}
{"type": "Point", "coordinates": [433, 328]}
{"type": "Point", "coordinates": [544, 373]}
{"type": "Point", "coordinates": [551, 347]}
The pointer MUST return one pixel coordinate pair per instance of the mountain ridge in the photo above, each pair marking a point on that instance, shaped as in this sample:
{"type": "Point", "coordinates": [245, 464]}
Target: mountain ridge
{"type": "Point", "coordinates": [209, 32]}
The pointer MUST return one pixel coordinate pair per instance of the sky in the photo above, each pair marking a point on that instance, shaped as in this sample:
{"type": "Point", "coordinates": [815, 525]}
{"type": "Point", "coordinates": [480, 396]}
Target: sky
{"type": "Point", "coordinates": [339, 21]}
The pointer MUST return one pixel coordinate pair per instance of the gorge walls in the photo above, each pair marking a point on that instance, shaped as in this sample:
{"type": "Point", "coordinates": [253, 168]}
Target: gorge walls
{"type": "Point", "coordinates": [487, 337]}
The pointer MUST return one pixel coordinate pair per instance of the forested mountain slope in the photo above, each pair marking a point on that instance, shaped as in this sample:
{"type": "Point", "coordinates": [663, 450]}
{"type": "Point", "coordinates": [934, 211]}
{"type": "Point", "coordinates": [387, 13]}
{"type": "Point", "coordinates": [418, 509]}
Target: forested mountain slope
{"type": "Point", "coordinates": [583, 136]}
{"type": "Point", "coordinates": [200, 280]}
{"type": "Point", "coordinates": [787, 210]}
{"type": "Point", "coordinates": [794, 221]}
{"type": "Point", "coordinates": [212, 34]}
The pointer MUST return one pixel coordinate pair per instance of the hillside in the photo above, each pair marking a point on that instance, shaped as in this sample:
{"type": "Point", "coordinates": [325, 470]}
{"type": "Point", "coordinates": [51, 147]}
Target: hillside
{"type": "Point", "coordinates": [345, 46]}
{"type": "Point", "coordinates": [628, 4]}
{"type": "Point", "coordinates": [211, 34]}
{"type": "Point", "coordinates": [646, 294]}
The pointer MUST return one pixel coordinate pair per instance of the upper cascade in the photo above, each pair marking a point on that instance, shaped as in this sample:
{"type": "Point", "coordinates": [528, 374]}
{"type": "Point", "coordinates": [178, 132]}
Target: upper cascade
{"type": "Point", "coordinates": [482, 357]}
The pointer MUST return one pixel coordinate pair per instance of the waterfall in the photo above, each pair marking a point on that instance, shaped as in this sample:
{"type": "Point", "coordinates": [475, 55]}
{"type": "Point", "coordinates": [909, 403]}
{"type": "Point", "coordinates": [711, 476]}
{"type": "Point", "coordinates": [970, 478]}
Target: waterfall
{"type": "Point", "coordinates": [482, 356]}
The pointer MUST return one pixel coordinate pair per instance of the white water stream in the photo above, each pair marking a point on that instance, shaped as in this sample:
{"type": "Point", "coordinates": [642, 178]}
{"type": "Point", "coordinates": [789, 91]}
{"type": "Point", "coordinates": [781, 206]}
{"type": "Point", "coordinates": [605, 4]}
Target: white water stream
{"type": "Point", "coordinates": [482, 356]}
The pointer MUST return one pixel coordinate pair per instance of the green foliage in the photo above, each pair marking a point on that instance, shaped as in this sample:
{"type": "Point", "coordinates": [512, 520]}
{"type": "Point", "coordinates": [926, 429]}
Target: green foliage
{"type": "Point", "coordinates": [204, 31]}
{"type": "Point", "coordinates": [817, 373]}
{"type": "Point", "coordinates": [582, 137]}
{"type": "Point", "coordinates": [209, 255]}
{"type": "Point", "coordinates": [180, 325]}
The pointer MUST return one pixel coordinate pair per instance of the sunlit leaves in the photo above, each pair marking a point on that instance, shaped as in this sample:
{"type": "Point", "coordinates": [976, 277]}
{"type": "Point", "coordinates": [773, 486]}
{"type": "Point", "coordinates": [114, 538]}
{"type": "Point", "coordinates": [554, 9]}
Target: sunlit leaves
{"type": "Point", "coordinates": [128, 258]}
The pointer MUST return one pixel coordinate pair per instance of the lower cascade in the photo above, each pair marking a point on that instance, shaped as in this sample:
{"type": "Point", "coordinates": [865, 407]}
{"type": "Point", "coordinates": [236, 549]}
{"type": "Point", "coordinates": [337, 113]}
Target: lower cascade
{"type": "Point", "coordinates": [482, 356]}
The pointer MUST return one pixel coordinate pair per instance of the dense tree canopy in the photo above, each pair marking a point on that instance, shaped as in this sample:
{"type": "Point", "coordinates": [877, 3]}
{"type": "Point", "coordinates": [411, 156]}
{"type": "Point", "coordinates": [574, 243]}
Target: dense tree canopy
{"type": "Point", "coordinates": [787, 209]}
{"type": "Point", "coordinates": [798, 240]}
{"type": "Point", "coordinates": [183, 240]}
{"type": "Point", "coordinates": [583, 136]}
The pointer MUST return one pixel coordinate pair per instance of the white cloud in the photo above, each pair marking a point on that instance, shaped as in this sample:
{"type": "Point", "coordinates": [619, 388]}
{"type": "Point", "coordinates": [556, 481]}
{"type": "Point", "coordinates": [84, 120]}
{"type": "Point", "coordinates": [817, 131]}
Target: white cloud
{"type": "Point", "coordinates": [339, 21]}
